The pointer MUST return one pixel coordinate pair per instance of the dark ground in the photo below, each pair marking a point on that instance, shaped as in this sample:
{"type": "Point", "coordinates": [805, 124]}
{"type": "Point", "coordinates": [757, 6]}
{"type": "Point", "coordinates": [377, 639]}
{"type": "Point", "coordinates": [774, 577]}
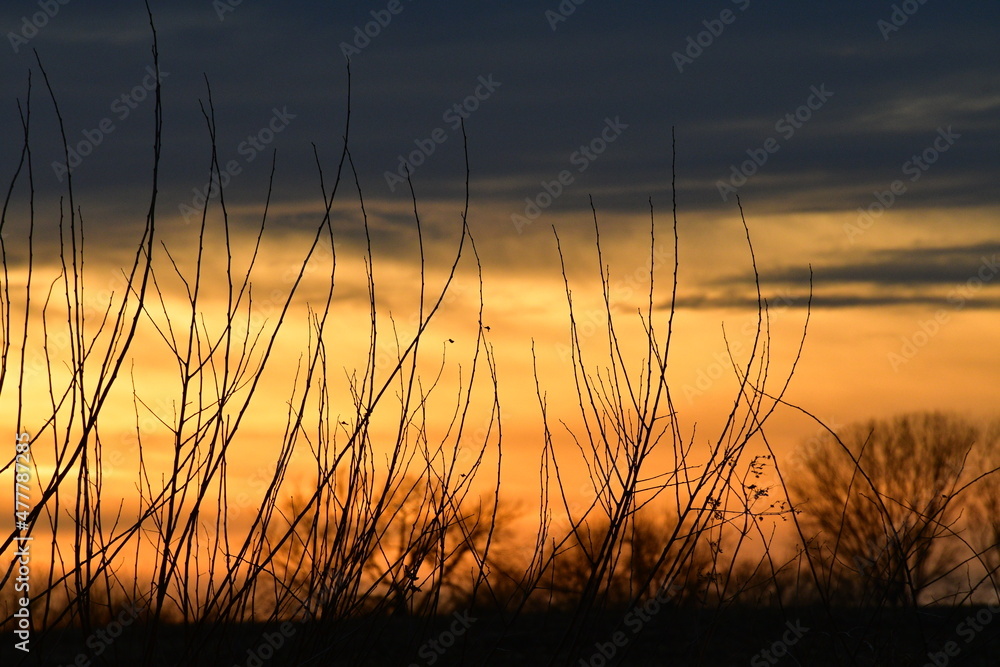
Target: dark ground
{"type": "Point", "coordinates": [674, 637]}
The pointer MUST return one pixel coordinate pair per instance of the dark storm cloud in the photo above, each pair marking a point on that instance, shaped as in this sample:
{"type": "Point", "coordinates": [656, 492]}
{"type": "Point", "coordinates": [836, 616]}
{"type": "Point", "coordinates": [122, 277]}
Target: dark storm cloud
{"type": "Point", "coordinates": [555, 90]}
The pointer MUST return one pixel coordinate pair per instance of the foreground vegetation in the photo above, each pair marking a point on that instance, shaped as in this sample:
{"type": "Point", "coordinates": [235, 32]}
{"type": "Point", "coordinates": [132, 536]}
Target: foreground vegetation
{"type": "Point", "coordinates": [396, 554]}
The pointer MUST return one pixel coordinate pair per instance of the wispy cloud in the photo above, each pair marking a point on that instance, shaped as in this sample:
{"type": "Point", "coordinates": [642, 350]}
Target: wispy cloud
{"type": "Point", "coordinates": [925, 276]}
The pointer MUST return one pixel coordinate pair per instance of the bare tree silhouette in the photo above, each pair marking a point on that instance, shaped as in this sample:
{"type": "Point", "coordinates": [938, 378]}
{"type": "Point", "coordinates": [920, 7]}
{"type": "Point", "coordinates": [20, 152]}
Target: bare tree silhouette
{"type": "Point", "coordinates": [887, 497]}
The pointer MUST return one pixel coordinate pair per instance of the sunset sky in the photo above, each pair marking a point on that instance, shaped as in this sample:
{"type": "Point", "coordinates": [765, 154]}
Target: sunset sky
{"type": "Point", "coordinates": [862, 141]}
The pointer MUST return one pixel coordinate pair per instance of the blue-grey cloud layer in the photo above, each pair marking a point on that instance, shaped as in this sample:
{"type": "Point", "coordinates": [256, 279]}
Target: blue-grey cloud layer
{"type": "Point", "coordinates": [893, 93]}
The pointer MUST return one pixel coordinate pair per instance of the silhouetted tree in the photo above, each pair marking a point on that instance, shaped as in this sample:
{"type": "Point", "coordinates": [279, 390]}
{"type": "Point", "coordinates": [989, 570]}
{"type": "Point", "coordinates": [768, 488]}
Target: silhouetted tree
{"type": "Point", "coordinates": [426, 542]}
{"type": "Point", "coordinates": [985, 514]}
{"type": "Point", "coordinates": [886, 497]}
{"type": "Point", "coordinates": [632, 575]}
